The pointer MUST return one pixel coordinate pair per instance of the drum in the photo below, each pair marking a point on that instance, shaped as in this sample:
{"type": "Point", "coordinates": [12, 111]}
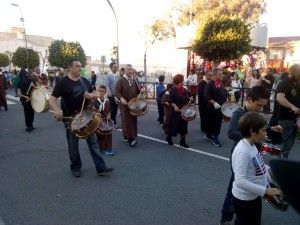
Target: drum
{"type": "Point", "coordinates": [227, 110]}
{"type": "Point", "coordinates": [270, 149]}
{"type": "Point", "coordinates": [85, 124]}
{"type": "Point", "coordinates": [39, 99]}
{"type": "Point", "coordinates": [106, 127]}
{"type": "Point", "coordinates": [277, 201]}
{"type": "Point", "coordinates": [138, 107]}
{"type": "Point", "coordinates": [189, 113]}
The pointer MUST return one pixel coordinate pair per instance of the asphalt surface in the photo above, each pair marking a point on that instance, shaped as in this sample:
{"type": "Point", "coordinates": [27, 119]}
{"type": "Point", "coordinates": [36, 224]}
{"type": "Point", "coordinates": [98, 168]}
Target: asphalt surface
{"type": "Point", "coordinates": [153, 183]}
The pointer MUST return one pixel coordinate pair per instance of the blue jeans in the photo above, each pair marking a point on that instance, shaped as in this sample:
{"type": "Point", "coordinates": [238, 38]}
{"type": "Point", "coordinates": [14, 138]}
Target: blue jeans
{"type": "Point", "coordinates": [74, 152]}
{"type": "Point", "coordinates": [228, 207]}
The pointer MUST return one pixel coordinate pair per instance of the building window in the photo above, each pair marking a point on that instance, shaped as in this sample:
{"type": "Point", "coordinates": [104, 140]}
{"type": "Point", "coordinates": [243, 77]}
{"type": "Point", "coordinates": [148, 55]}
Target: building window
{"type": "Point", "coordinates": [276, 54]}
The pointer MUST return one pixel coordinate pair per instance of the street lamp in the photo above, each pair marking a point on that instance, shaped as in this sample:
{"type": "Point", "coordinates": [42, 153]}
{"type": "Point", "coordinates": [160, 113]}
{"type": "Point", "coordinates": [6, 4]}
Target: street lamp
{"type": "Point", "coordinates": [22, 20]}
{"type": "Point", "coordinates": [112, 8]}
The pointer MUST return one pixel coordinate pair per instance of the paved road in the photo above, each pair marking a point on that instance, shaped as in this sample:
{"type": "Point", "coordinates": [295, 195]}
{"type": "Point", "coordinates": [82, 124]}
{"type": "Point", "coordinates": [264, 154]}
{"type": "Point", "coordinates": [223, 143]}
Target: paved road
{"type": "Point", "coordinates": [153, 183]}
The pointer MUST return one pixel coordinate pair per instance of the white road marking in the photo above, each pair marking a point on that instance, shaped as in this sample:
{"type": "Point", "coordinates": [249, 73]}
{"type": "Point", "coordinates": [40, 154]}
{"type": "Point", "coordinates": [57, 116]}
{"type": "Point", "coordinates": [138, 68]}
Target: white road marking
{"type": "Point", "coordinates": [13, 97]}
{"type": "Point", "coordinates": [10, 103]}
{"type": "Point", "coordinates": [188, 149]}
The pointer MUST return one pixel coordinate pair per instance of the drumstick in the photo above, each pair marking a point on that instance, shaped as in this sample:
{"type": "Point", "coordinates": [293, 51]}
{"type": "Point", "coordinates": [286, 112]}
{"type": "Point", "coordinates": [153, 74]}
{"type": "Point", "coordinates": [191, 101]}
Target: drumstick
{"type": "Point", "coordinates": [64, 117]}
{"type": "Point", "coordinates": [82, 107]}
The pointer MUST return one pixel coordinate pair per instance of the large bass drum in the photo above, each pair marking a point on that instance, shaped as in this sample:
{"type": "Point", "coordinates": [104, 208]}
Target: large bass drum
{"type": "Point", "coordinates": [39, 99]}
{"type": "Point", "coordinates": [86, 123]}
{"type": "Point", "coordinates": [227, 110]}
{"type": "Point", "coordinates": [138, 107]}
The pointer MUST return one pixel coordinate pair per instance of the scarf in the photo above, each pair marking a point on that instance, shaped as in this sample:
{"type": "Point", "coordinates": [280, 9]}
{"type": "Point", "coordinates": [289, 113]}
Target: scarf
{"type": "Point", "coordinates": [130, 80]}
{"type": "Point", "coordinates": [180, 90]}
{"type": "Point", "coordinates": [102, 104]}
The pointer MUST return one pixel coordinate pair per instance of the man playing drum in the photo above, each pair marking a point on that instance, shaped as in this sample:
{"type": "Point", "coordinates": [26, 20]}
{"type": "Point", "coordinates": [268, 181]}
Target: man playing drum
{"type": "Point", "coordinates": [128, 88]}
{"type": "Point", "coordinates": [73, 89]}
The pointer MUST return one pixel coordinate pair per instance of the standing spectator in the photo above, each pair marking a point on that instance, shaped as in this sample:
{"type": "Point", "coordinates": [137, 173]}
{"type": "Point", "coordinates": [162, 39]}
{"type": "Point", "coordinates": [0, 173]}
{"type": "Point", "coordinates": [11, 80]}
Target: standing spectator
{"type": "Point", "coordinates": [59, 75]}
{"type": "Point", "coordinates": [215, 95]}
{"type": "Point", "coordinates": [288, 95]}
{"type": "Point", "coordinates": [15, 81]}
{"type": "Point", "coordinates": [201, 101]}
{"type": "Point", "coordinates": [93, 80]}
{"type": "Point", "coordinates": [236, 87]}
{"type": "Point", "coordinates": [267, 82]}
{"type": "Point", "coordinates": [110, 83]}
{"type": "Point", "coordinates": [3, 91]}
{"type": "Point", "coordinates": [160, 89]}
{"type": "Point", "coordinates": [254, 79]}
{"type": "Point", "coordinates": [122, 71]}
{"type": "Point", "coordinates": [8, 78]}
{"type": "Point", "coordinates": [192, 83]}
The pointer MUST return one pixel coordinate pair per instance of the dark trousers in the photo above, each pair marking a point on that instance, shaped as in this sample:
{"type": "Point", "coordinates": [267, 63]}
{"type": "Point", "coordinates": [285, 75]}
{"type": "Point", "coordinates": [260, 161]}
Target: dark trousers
{"type": "Point", "coordinates": [228, 208]}
{"type": "Point", "coordinates": [214, 122]}
{"type": "Point", "coordinates": [74, 152]}
{"type": "Point", "coordinates": [160, 109]}
{"type": "Point", "coordinates": [113, 108]}
{"type": "Point", "coordinates": [237, 95]}
{"type": "Point", "coordinates": [28, 113]}
{"type": "Point", "coordinates": [203, 115]}
{"type": "Point", "coordinates": [247, 212]}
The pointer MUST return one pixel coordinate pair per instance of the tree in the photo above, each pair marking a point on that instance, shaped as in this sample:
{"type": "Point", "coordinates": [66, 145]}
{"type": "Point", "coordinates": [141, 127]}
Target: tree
{"type": "Point", "coordinates": [20, 58]}
{"type": "Point", "coordinates": [60, 52]}
{"type": "Point", "coordinates": [202, 11]}
{"type": "Point", "coordinates": [113, 55]}
{"type": "Point", "coordinates": [4, 60]}
{"type": "Point", "coordinates": [223, 39]}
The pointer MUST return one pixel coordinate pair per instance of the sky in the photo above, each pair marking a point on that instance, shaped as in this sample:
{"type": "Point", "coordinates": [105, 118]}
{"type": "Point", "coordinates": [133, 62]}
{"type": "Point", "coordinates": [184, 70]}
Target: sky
{"type": "Point", "coordinates": [91, 22]}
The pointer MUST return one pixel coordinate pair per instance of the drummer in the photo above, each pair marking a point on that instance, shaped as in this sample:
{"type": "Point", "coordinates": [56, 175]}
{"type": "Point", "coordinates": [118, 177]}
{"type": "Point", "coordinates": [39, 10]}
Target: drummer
{"type": "Point", "coordinates": [165, 101]}
{"type": "Point", "coordinates": [257, 98]}
{"type": "Point", "coordinates": [24, 86]}
{"type": "Point", "coordinates": [103, 106]}
{"type": "Point", "coordinates": [179, 97]}
{"type": "Point", "coordinates": [73, 89]}
{"type": "Point", "coordinates": [128, 88]}
{"type": "Point", "coordinates": [215, 95]}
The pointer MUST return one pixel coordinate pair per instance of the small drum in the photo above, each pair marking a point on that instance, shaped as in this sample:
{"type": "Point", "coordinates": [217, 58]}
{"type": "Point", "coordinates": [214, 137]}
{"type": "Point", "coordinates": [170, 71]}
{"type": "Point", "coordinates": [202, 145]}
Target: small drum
{"type": "Point", "coordinates": [106, 127]}
{"type": "Point", "coordinates": [270, 149]}
{"type": "Point", "coordinates": [138, 107]}
{"type": "Point", "coordinates": [39, 99]}
{"type": "Point", "coordinates": [227, 110]}
{"type": "Point", "coordinates": [86, 124]}
{"type": "Point", "coordinates": [189, 113]}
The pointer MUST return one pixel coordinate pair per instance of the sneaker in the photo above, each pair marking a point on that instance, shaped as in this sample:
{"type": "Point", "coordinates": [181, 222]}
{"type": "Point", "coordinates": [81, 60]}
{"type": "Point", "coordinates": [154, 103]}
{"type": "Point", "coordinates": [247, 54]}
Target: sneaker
{"type": "Point", "coordinates": [109, 152]}
{"type": "Point", "coordinates": [105, 171]}
{"type": "Point", "coordinates": [28, 129]}
{"type": "Point", "coordinates": [224, 223]}
{"type": "Point", "coordinates": [208, 137]}
{"type": "Point", "coordinates": [216, 142]}
{"type": "Point", "coordinates": [76, 173]}
{"type": "Point", "coordinates": [132, 143]}
{"type": "Point", "coordinates": [125, 139]}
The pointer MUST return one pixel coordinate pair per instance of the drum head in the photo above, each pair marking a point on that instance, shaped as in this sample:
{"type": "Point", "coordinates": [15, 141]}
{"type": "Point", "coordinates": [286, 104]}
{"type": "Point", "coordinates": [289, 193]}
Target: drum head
{"type": "Point", "coordinates": [80, 121]}
{"type": "Point", "coordinates": [106, 126]}
{"type": "Point", "coordinates": [189, 112]}
{"type": "Point", "coordinates": [228, 108]}
{"type": "Point", "coordinates": [137, 104]}
{"type": "Point", "coordinates": [38, 99]}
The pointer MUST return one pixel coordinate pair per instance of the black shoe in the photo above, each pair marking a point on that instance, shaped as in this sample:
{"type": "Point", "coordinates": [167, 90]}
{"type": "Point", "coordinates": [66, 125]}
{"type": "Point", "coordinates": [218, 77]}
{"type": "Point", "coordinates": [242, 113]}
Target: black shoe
{"type": "Point", "coordinates": [28, 129]}
{"type": "Point", "coordinates": [132, 142]}
{"type": "Point", "coordinates": [32, 128]}
{"type": "Point", "coordinates": [183, 143]}
{"type": "Point", "coordinates": [5, 108]}
{"type": "Point", "coordinates": [169, 140]}
{"type": "Point", "coordinates": [208, 137]}
{"type": "Point", "coordinates": [105, 171]}
{"type": "Point", "coordinates": [76, 173]}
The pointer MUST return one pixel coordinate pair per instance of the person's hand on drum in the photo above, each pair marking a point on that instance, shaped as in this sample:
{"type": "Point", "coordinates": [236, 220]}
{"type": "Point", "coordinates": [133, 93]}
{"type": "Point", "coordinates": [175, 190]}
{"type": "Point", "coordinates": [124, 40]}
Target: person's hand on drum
{"type": "Point", "coordinates": [216, 105]}
{"type": "Point", "coordinates": [273, 191]}
{"type": "Point", "coordinates": [26, 97]}
{"type": "Point", "coordinates": [58, 115]}
{"type": "Point", "coordinates": [87, 95]}
{"type": "Point", "coordinates": [295, 109]}
{"type": "Point", "coordinates": [277, 129]}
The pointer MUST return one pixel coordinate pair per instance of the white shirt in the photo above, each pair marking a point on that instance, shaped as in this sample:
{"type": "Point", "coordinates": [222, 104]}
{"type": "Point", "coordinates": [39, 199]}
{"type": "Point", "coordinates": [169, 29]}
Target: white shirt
{"type": "Point", "coordinates": [250, 172]}
{"type": "Point", "coordinates": [235, 84]}
{"type": "Point", "coordinates": [192, 79]}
